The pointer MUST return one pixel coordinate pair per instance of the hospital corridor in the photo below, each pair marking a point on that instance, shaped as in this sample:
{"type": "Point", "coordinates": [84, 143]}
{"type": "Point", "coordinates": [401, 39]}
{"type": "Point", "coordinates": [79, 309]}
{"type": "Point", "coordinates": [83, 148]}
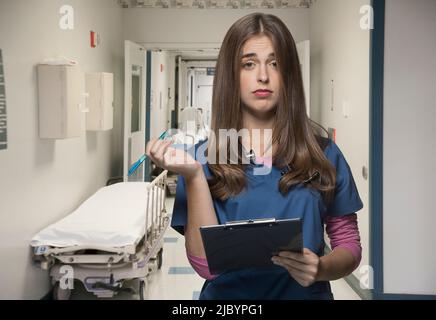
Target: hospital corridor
{"type": "Point", "coordinates": [168, 150]}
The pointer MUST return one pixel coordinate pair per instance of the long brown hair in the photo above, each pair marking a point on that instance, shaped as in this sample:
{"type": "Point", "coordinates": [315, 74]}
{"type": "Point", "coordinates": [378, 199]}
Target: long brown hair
{"type": "Point", "coordinates": [298, 145]}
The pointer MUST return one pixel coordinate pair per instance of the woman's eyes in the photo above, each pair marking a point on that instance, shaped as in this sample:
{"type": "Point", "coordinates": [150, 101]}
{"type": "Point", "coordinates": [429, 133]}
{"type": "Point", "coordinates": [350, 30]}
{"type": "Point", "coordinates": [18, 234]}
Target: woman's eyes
{"type": "Point", "coordinates": [250, 64]}
{"type": "Point", "coordinates": [247, 64]}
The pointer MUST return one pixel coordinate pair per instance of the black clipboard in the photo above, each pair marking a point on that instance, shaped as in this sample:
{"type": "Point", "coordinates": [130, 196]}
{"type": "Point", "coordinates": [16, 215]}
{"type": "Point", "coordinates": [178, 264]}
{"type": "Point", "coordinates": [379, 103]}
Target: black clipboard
{"type": "Point", "coordinates": [251, 243]}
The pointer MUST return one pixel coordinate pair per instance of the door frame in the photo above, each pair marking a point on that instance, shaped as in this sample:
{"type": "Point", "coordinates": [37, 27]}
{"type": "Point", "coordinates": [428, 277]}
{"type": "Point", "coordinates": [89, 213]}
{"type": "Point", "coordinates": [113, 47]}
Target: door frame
{"type": "Point", "coordinates": [377, 41]}
{"type": "Point", "coordinates": [134, 54]}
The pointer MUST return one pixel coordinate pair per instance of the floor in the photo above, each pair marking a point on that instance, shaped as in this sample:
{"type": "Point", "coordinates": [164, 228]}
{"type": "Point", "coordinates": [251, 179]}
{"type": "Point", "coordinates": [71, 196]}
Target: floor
{"type": "Point", "coordinates": [176, 280]}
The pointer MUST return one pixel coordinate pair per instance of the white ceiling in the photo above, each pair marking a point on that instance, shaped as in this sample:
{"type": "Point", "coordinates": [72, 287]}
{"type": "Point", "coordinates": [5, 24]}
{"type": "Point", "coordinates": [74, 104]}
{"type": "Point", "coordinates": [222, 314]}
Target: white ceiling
{"type": "Point", "coordinates": [198, 54]}
{"type": "Point", "coordinates": [216, 4]}
{"type": "Point", "coordinates": [211, 54]}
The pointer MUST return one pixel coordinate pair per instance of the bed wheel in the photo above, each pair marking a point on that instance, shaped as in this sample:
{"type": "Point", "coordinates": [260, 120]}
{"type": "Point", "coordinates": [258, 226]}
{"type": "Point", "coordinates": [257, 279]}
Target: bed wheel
{"type": "Point", "coordinates": [142, 289]}
{"type": "Point", "coordinates": [59, 293]}
{"type": "Point", "coordinates": [159, 259]}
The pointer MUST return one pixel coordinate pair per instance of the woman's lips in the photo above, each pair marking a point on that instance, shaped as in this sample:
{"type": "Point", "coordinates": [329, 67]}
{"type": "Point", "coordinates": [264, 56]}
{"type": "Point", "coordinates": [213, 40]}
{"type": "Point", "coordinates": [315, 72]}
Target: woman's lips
{"type": "Point", "coordinates": [262, 93]}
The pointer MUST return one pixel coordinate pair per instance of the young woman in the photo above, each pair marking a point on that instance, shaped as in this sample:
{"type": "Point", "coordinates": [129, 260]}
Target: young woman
{"type": "Point", "coordinates": [258, 87]}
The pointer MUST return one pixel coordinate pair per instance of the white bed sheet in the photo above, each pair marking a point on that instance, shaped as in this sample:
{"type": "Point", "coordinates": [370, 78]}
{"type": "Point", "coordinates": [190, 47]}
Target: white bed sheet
{"type": "Point", "coordinates": [113, 217]}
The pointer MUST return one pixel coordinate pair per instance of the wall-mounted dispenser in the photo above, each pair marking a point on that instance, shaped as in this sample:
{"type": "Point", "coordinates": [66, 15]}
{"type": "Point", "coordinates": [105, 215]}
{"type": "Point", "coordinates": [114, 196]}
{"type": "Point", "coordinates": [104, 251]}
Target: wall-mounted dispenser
{"type": "Point", "coordinates": [61, 100]}
{"type": "Point", "coordinates": [100, 87]}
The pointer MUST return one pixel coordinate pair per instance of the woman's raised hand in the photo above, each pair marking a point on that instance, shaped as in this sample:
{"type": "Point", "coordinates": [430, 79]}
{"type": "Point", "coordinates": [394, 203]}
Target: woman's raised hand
{"type": "Point", "coordinates": [172, 159]}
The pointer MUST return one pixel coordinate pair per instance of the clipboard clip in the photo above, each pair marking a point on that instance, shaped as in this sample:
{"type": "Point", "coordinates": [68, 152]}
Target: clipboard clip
{"type": "Point", "coordinates": [250, 221]}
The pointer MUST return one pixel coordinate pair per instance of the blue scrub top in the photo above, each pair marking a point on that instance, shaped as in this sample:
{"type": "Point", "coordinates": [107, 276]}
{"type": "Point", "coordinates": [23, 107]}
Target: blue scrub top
{"type": "Point", "coordinates": [262, 199]}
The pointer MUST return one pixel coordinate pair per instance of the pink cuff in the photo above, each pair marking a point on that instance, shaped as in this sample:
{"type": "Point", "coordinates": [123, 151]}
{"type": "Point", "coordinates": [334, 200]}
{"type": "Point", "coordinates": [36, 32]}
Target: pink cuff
{"type": "Point", "coordinates": [344, 233]}
{"type": "Point", "coordinates": [200, 266]}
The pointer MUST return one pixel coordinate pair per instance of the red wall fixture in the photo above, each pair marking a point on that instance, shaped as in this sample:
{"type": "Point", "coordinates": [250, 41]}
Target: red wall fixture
{"type": "Point", "coordinates": [95, 39]}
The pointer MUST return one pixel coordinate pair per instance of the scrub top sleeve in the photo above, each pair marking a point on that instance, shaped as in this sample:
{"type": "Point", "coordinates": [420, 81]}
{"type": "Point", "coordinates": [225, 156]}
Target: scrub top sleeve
{"type": "Point", "coordinates": [346, 198]}
{"type": "Point", "coordinates": [180, 209]}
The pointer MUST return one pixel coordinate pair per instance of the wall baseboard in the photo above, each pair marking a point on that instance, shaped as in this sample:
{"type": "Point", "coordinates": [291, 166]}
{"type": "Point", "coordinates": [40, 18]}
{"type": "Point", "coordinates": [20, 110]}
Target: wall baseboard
{"type": "Point", "coordinates": [400, 296]}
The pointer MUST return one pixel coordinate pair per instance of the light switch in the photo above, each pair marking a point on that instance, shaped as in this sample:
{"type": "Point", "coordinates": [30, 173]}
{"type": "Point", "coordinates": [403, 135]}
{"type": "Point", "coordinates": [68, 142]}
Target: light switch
{"type": "Point", "coordinates": [365, 172]}
{"type": "Point", "coordinates": [346, 109]}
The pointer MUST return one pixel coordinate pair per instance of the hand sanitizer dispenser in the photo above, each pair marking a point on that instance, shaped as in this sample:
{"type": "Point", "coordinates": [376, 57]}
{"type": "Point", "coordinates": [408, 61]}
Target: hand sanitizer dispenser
{"type": "Point", "coordinates": [100, 87]}
{"type": "Point", "coordinates": [61, 100]}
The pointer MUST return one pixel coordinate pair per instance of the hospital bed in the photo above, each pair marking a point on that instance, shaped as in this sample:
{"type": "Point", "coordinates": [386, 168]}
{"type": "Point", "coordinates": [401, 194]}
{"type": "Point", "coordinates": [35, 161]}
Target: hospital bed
{"type": "Point", "coordinates": [113, 239]}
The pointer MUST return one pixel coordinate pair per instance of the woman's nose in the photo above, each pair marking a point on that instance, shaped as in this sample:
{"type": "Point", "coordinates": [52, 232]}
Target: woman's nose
{"type": "Point", "coordinates": [262, 75]}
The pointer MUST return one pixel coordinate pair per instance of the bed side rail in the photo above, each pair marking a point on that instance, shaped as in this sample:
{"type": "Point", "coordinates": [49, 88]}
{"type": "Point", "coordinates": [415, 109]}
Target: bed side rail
{"type": "Point", "coordinates": [158, 213]}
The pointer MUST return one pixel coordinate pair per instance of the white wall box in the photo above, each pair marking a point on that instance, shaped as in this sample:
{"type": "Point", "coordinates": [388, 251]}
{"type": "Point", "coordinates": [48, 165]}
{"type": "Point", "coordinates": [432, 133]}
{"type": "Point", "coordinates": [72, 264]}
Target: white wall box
{"type": "Point", "coordinates": [100, 87]}
{"type": "Point", "coordinates": [61, 101]}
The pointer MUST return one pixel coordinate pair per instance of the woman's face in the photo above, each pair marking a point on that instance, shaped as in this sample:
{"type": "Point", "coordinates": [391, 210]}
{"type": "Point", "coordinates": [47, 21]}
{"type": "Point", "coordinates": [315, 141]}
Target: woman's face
{"type": "Point", "coordinates": [259, 72]}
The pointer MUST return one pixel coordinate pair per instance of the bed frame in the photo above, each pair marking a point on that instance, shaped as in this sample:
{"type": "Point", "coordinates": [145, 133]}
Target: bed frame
{"type": "Point", "coordinates": [105, 271]}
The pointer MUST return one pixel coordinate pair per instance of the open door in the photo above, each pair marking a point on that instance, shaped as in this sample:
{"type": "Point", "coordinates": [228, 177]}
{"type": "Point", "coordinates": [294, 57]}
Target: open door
{"type": "Point", "coordinates": [134, 108]}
